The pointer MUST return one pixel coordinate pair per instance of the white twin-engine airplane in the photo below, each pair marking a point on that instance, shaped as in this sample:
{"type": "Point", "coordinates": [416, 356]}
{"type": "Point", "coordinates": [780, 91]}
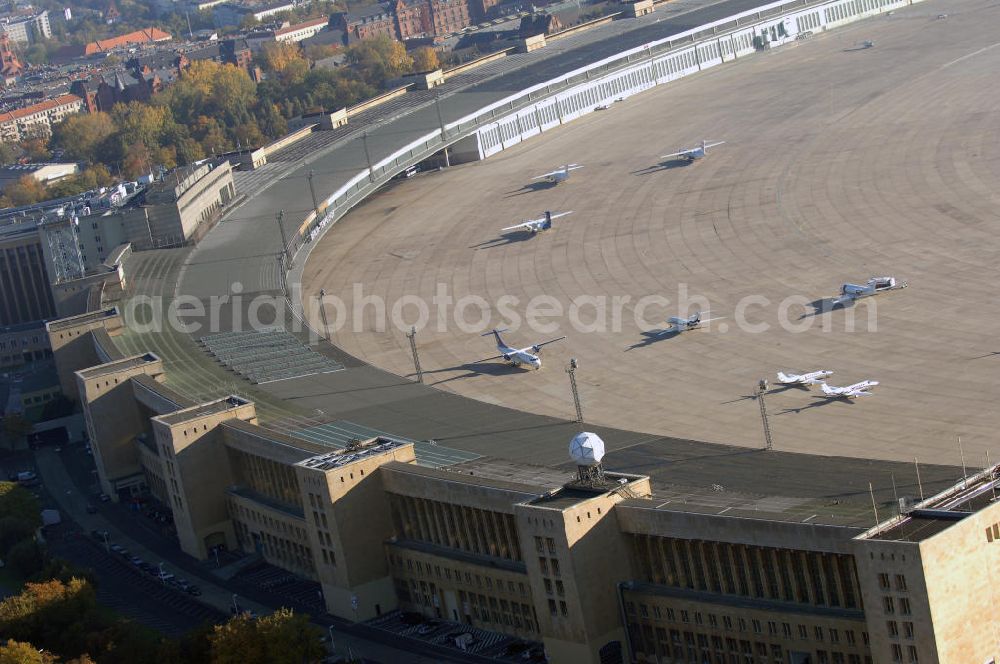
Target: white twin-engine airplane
{"type": "Point", "coordinates": [691, 154]}
{"type": "Point", "coordinates": [807, 379]}
{"type": "Point", "coordinates": [538, 225]}
{"type": "Point", "coordinates": [518, 356]}
{"type": "Point", "coordinates": [678, 324]}
{"type": "Point", "coordinates": [851, 391]}
{"type": "Point", "coordinates": [558, 175]}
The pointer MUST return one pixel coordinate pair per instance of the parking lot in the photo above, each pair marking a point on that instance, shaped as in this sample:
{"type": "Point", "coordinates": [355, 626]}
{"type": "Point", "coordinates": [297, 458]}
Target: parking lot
{"type": "Point", "coordinates": [464, 638]}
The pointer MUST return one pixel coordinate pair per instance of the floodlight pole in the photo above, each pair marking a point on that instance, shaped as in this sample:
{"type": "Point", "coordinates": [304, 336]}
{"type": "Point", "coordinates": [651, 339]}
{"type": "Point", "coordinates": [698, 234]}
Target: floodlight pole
{"type": "Point", "coordinates": [284, 237]}
{"type": "Point", "coordinates": [571, 370]}
{"type": "Point", "coordinates": [312, 191]}
{"type": "Point", "coordinates": [761, 390]}
{"type": "Point", "coordinates": [412, 336]}
{"type": "Point", "coordinates": [368, 156]}
{"type": "Point", "coordinates": [437, 103]}
{"type": "Point", "coordinates": [280, 256]}
{"type": "Point", "coordinates": [322, 311]}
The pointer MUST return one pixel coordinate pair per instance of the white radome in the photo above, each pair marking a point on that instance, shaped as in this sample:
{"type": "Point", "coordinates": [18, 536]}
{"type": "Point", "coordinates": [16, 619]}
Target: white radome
{"type": "Point", "coordinates": [586, 449]}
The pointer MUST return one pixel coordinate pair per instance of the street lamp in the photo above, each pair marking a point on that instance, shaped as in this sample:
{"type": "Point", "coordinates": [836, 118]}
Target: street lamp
{"type": "Point", "coordinates": [236, 607]}
{"type": "Point", "coordinates": [162, 580]}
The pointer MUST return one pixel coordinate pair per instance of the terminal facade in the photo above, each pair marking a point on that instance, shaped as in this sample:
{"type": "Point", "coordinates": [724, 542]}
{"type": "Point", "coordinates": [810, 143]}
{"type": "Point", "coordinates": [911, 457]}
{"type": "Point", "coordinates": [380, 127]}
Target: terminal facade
{"type": "Point", "coordinates": [596, 567]}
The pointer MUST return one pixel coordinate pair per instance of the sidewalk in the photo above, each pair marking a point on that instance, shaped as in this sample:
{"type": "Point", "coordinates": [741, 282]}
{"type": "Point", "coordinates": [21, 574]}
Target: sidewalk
{"type": "Point", "coordinates": [73, 504]}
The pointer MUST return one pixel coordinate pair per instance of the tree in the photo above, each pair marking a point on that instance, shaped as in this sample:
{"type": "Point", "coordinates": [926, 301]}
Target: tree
{"type": "Point", "coordinates": [138, 160]}
{"type": "Point", "coordinates": [270, 121]}
{"type": "Point", "coordinates": [25, 191]}
{"type": "Point", "coordinates": [276, 56]}
{"type": "Point", "coordinates": [90, 178]}
{"type": "Point", "coordinates": [12, 531]}
{"type": "Point", "coordinates": [425, 58]}
{"type": "Point", "coordinates": [141, 123]}
{"type": "Point", "coordinates": [51, 615]}
{"type": "Point", "coordinates": [82, 136]}
{"type": "Point", "coordinates": [283, 637]}
{"type": "Point", "coordinates": [19, 652]}
{"type": "Point", "coordinates": [25, 557]}
{"type": "Point", "coordinates": [379, 59]}
{"type": "Point", "coordinates": [35, 149]}
{"type": "Point", "coordinates": [19, 503]}
{"type": "Point", "coordinates": [315, 52]}
{"type": "Point", "coordinates": [9, 153]}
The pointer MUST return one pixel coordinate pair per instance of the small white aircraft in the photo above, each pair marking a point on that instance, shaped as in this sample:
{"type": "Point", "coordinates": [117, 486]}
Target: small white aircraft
{"type": "Point", "coordinates": [606, 104]}
{"type": "Point", "coordinates": [518, 356]}
{"type": "Point", "coordinates": [558, 175]}
{"type": "Point", "coordinates": [851, 391]}
{"type": "Point", "coordinates": [807, 379]}
{"type": "Point", "coordinates": [678, 324]}
{"type": "Point", "coordinates": [851, 292]}
{"type": "Point", "coordinates": [691, 154]}
{"type": "Point", "coordinates": [538, 225]}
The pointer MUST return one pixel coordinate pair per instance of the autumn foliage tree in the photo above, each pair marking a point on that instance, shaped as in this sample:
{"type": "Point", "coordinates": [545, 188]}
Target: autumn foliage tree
{"type": "Point", "coordinates": [284, 637]}
{"type": "Point", "coordinates": [379, 59]}
{"type": "Point", "coordinates": [83, 136]}
{"type": "Point", "coordinates": [425, 58]}
{"type": "Point", "coordinates": [20, 652]}
{"type": "Point", "coordinates": [25, 191]}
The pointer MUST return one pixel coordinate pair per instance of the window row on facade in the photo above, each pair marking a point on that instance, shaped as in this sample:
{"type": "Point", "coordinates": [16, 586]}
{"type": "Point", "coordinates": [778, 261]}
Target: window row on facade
{"type": "Point", "coordinates": [806, 577]}
{"type": "Point", "coordinates": [483, 532]}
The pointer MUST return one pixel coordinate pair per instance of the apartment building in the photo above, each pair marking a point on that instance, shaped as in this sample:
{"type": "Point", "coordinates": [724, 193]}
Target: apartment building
{"type": "Point", "coordinates": [37, 119]}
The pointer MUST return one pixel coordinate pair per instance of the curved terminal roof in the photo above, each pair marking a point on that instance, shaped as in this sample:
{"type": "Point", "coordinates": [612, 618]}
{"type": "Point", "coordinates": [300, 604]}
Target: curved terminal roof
{"type": "Point", "coordinates": [237, 259]}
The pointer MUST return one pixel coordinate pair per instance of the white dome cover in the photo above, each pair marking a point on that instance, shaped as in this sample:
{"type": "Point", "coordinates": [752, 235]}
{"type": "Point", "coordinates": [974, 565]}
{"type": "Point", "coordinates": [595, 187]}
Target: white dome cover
{"type": "Point", "coordinates": [586, 449]}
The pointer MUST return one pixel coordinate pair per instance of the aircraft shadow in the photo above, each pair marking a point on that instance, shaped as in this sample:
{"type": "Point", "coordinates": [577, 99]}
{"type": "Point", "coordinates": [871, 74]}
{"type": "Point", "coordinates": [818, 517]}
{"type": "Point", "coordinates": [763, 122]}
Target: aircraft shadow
{"type": "Point", "coordinates": [861, 47]}
{"type": "Point", "coordinates": [820, 401]}
{"type": "Point", "coordinates": [774, 390]}
{"type": "Point", "coordinates": [652, 337]}
{"type": "Point", "coordinates": [494, 368]}
{"type": "Point", "coordinates": [979, 357]}
{"type": "Point", "coordinates": [530, 188]}
{"type": "Point", "coordinates": [825, 305]}
{"type": "Point", "coordinates": [503, 240]}
{"type": "Point", "coordinates": [663, 166]}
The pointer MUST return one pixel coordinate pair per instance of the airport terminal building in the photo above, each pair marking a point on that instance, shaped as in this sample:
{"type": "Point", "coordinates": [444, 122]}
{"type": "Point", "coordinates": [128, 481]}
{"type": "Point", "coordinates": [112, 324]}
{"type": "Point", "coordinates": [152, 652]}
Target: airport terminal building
{"type": "Point", "coordinates": [599, 565]}
{"type": "Point", "coordinates": [667, 551]}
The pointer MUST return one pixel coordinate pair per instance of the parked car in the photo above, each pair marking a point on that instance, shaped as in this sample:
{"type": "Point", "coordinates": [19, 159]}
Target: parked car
{"type": "Point", "coordinates": [104, 497]}
{"type": "Point", "coordinates": [99, 534]}
{"type": "Point", "coordinates": [91, 509]}
{"type": "Point", "coordinates": [193, 590]}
